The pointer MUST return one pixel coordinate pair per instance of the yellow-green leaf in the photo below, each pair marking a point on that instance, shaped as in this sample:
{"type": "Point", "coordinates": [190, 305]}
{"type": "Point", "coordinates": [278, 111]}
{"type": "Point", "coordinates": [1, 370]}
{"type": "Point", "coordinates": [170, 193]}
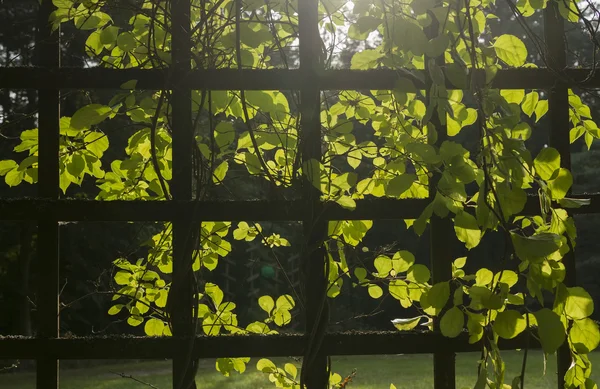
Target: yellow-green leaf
{"type": "Point", "coordinates": [452, 322]}
{"type": "Point", "coordinates": [467, 230]}
{"type": "Point", "coordinates": [509, 323]}
{"type": "Point", "coordinates": [579, 303]}
{"type": "Point", "coordinates": [511, 50]}
{"type": "Point", "coordinates": [584, 335]}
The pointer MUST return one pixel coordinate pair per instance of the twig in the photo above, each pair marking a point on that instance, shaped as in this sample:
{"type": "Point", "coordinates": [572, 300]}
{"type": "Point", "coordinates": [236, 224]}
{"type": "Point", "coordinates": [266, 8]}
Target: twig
{"type": "Point", "coordinates": [122, 375]}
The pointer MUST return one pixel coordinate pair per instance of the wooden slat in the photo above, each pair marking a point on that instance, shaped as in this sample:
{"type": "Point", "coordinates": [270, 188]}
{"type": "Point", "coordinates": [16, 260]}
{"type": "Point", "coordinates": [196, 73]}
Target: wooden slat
{"type": "Point", "coordinates": [272, 79]}
{"type": "Point", "coordinates": [48, 56]}
{"type": "Point", "coordinates": [315, 373]}
{"type": "Point", "coordinates": [345, 343]}
{"type": "Point", "coordinates": [366, 209]}
{"type": "Point", "coordinates": [558, 115]}
{"type": "Point", "coordinates": [441, 233]}
{"type": "Point", "coordinates": [181, 296]}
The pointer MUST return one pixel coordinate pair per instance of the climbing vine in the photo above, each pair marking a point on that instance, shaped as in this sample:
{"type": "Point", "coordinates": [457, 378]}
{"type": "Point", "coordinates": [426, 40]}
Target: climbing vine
{"type": "Point", "coordinates": [400, 143]}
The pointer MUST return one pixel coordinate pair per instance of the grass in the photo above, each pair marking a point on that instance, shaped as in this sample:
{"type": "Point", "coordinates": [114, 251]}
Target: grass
{"type": "Point", "coordinates": [405, 371]}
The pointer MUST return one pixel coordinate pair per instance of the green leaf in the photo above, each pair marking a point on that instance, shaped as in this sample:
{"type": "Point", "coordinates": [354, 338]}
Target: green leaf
{"type": "Point", "coordinates": [406, 324]}
{"type": "Point", "coordinates": [126, 41]}
{"type": "Point", "coordinates": [511, 50]}
{"type": "Point", "coordinates": [452, 322]}
{"type": "Point", "coordinates": [550, 330]}
{"type": "Point", "coordinates": [483, 277]}
{"type": "Point", "coordinates": [457, 75]}
{"type": "Point", "coordinates": [363, 27]}
{"type": "Point", "coordinates": [260, 99]}
{"type": "Point", "coordinates": [540, 109]}
{"type": "Point", "coordinates": [360, 273]}
{"type": "Point", "coordinates": [530, 102]}
{"type": "Point", "coordinates": [365, 59]}
{"type": "Point", "coordinates": [241, 232]}
{"type": "Point", "coordinates": [220, 172]}
{"type": "Point", "coordinates": [521, 131]}
{"type": "Point", "coordinates": [115, 309]}
{"type": "Point", "coordinates": [64, 182]}
{"type": "Point", "coordinates": [409, 36]}
{"type": "Point", "coordinates": [547, 162]}
{"type": "Point", "coordinates": [285, 302]}
{"type": "Point", "coordinates": [418, 273]}
{"type": "Point", "coordinates": [215, 293]}
{"type": "Point", "coordinates": [383, 265]}
{"type": "Point", "coordinates": [561, 183]}
{"type": "Point", "coordinates": [375, 291]}
{"type": "Point", "coordinates": [97, 143]}
{"type": "Point", "coordinates": [584, 335]}
{"type": "Point", "coordinates": [507, 277]}
{"type": "Point", "coordinates": [459, 263]}
{"type": "Point", "coordinates": [574, 203]}
{"type": "Point", "coordinates": [400, 184]}
{"type": "Point", "coordinates": [313, 170]}
{"type": "Point", "coordinates": [135, 320]}
{"type": "Point", "coordinates": [6, 166]}
{"type": "Point", "coordinates": [291, 370]}
{"type": "Point", "coordinates": [129, 85]}
{"type": "Point", "coordinates": [579, 303]}
{"type": "Point", "coordinates": [437, 46]}
{"type": "Point", "coordinates": [109, 34]}
{"type": "Point", "coordinates": [91, 21]}
{"type": "Point", "coordinates": [346, 202]}
{"type": "Point", "coordinates": [266, 366]}
{"type": "Point", "coordinates": [535, 247]}
{"type": "Point", "coordinates": [354, 158]}
{"type": "Point", "coordinates": [94, 44]}
{"type": "Point", "coordinates": [266, 303]}
{"type": "Point", "coordinates": [258, 327]}
{"type": "Point", "coordinates": [438, 295]}
{"type": "Point", "coordinates": [224, 134]}
{"type": "Point", "coordinates": [482, 379]}
{"type": "Point", "coordinates": [123, 277]}
{"type": "Point", "coordinates": [509, 323]}
{"type": "Point", "coordinates": [398, 289]}
{"type": "Point", "coordinates": [224, 366]}
{"type": "Point", "coordinates": [467, 230]}
{"type": "Point", "coordinates": [402, 261]}
{"type": "Point", "coordinates": [423, 152]}
{"type": "Point", "coordinates": [90, 115]}
{"type": "Point", "coordinates": [154, 327]}
{"type": "Point", "coordinates": [513, 96]}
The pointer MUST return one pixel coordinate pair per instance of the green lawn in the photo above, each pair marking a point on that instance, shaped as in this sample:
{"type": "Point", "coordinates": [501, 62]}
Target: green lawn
{"type": "Point", "coordinates": [404, 371]}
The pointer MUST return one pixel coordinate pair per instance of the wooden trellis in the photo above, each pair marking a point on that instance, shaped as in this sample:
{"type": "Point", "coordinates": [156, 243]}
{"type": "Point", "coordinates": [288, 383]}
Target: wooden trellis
{"type": "Point", "coordinates": [49, 78]}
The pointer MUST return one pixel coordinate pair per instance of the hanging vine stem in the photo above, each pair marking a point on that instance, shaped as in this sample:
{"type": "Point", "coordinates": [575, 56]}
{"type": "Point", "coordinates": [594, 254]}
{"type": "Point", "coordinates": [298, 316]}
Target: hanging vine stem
{"type": "Point", "coordinates": [488, 183]}
{"type": "Point", "coordinates": [238, 52]}
{"type": "Point", "coordinates": [155, 163]}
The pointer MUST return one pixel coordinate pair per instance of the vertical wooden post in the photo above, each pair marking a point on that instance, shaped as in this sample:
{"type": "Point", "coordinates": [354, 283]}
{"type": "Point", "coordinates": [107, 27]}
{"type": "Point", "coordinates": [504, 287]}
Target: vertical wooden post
{"type": "Point", "coordinates": [48, 57]}
{"type": "Point", "coordinates": [184, 230]}
{"type": "Point", "coordinates": [315, 229]}
{"type": "Point", "coordinates": [441, 238]}
{"type": "Point", "coordinates": [558, 114]}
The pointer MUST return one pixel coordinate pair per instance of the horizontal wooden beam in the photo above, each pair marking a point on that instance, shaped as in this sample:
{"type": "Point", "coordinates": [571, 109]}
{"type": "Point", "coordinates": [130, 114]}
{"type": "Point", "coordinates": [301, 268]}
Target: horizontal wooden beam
{"type": "Point", "coordinates": [258, 210]}
{"type": "Point", "coordinates": [347, 343]}
{"type": "Point", "coordinates": [272, 79]}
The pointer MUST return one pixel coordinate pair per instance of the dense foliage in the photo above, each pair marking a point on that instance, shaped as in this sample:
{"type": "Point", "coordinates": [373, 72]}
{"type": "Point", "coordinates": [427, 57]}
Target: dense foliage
{"type": "Point", "coordinates": [399, 143]}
